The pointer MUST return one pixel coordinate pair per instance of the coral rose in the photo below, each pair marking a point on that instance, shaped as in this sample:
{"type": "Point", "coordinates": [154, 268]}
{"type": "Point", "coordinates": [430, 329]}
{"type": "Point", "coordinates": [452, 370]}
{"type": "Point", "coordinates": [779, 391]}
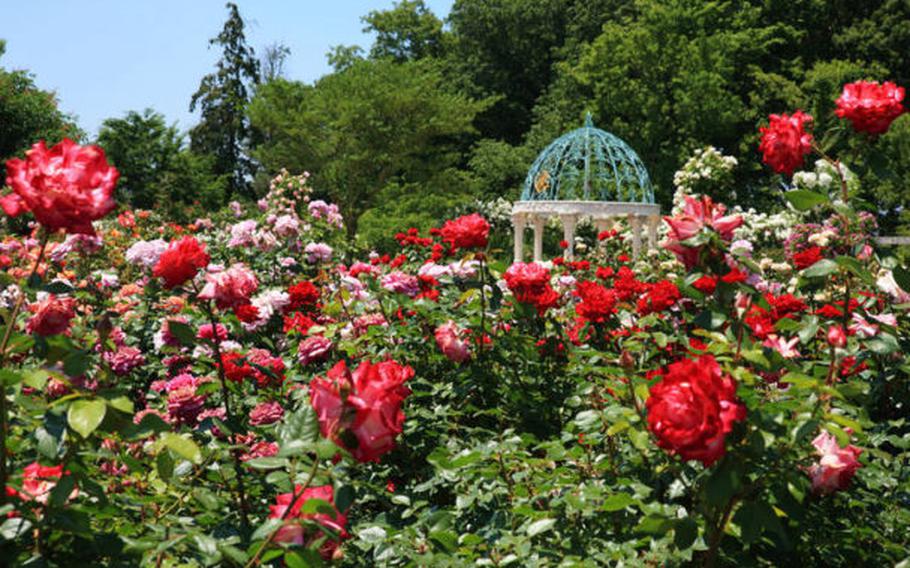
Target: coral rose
{"type": "Point", "coordinates": [230, 288]}
{"type": "Point", "coordinates": [449, 339]}
{"type": "Point", "coordinates": [836, 466]}
{"type": "Point", "coordinates": [66, 187]}
{"type": "Point", "coordinates": [693, 408]}
{"type": "Point", "coordinates": [52, 316]}
{"type": "Point", "coordinates": [365, 405]}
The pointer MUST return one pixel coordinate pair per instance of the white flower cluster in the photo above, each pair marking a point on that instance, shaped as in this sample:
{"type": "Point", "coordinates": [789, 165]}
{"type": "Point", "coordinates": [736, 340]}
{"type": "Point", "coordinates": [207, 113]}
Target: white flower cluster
{"type": "Point", "coordinates": [823, 178]}
{"type": "Point", "coordinates": [705, 164]}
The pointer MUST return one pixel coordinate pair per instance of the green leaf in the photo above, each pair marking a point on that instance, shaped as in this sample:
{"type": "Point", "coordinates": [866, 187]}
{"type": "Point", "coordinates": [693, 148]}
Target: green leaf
{"type": "Point", "coordinates": [821, 268]}
{"type": "Point", "coordinates": [76, 363]}
{"type": "Point", "coordinates": [164, 463]}
{"type": "Point", "coordinates": [267, 463]}
{"type": "Point", "coordinates": [183, 332]}
{"type": "Point", "coordinates": [58, 287]}
{"type": "Point", "coordinates": [803, 200]}
{"type": "Point", "coordinates": [540, 526]}
{"type": "Point", "coordinates": [344, 496]}
{"type": "Point", "coordinates": [617, 502]}
{"type": "Point", "coordinates": [684, 533]}
{"type": "Point", "coordinates": [61, 492]}
{"type": "Point", "coordinates": [121, 403]}
{"type": "Point", "coordinates": [902, 277]}
{"type": "Point", "coordinates": [86, 415]}
{"type": "Point", "coordinates": [372, 535]}
{"type": "Point", "coordinates": [182, 446]}
{"type": "Point", "coordinates": [723, 484]}
{"type": "Point", "coordinates": [856, 268]}
{"type": "Point", "coordinates": [13, 529]}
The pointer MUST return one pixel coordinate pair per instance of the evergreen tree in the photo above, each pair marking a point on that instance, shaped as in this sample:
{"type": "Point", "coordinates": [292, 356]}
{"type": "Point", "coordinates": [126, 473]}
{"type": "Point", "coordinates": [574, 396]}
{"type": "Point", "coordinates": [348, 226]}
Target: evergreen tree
{"type": "Point", "coordinates": [224, 130]}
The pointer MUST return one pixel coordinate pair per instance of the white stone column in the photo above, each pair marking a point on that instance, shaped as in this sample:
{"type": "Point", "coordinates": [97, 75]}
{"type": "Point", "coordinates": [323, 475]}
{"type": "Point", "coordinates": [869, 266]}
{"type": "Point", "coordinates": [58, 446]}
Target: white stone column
{"type": "Point", "coordinates": [635, 224]}
{"type": "Point", "coordinates": [539, 223]}
{"type": "Point", "coordinates": [518, 227]}
{"type": "Point", "coordinates": [653, 223]}
{"type": "Point", "coordinates": [568, 235]}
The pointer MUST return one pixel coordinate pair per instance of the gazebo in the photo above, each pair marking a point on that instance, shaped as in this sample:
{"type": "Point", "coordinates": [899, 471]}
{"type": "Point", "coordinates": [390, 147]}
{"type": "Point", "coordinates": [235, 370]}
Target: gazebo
{"type": "Point", "coordinates": [585, 173]}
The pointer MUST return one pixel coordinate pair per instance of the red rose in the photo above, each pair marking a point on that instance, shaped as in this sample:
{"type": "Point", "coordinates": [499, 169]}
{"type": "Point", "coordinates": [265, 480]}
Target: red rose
{"type": "Point", "coordinates": [735, 276]}
{"type": "Point", "coordinates": [304, 294]}
{"type": "Point", "coordinates": [66, 187]}
{"type": "Point", "coordinates": [660, 297]}
{"type": "Point", "coordinates": [693, 408]}
{"type": "Point", "coordinates": [466, 232]}
{"type": "Point", "coordinates": [869, 106]}
{"type": "Point", "coordinates": [247, 313]}
{"type": "Point", "coordinates": [530, 282]}
{"type": "Point", "coordinates": [365, 405]}
{"type": "Point", "coordinates": [180, 262]}
{"type": "Point", "coordinates": [597, 302]}
{"type": "Point", "coordinates": [295, 532]}
{"type": "Point", "coordinates": [784, 142]}
{"type": "Point", "coordinates": [52, 316]}
{"type": "Point", "coordinates": [806, 258]}
{"type": "Point", "coordinates": [706, 284]}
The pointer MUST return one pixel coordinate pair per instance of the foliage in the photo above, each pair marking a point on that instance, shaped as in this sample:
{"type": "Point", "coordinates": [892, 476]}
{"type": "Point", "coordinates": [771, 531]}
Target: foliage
{"type": "Point", "coordinates": [399, 126]}
{"type": "Point", "coordinates": [224, 129]}
{"type": "Point", "coordinates": [28, 114]}
{"type": "Point", "coordinates": [155, 169]}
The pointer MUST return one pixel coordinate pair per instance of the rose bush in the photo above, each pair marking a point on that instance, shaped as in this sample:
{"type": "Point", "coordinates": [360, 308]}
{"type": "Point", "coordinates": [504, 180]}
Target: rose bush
{"type": "Point", "coordinates": [250, 389]}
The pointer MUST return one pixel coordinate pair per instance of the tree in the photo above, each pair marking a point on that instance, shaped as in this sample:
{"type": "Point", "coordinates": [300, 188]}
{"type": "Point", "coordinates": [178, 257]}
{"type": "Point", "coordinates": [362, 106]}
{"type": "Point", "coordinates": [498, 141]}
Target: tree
{"type": "Point", "coordinates": [371, 126]}
{"type": "Point", "coordinates": [224, 130]}
{"type": "Point", "coordinates": [142, 146]}
{"type": "Point", "coordinates": [273, 58]}
{"type": "Point", "coordinates": [28, 114]}
{"type": "Point", "coordinates": [156, 170]}
{"type": "Point", "coordinates": [406, 32]}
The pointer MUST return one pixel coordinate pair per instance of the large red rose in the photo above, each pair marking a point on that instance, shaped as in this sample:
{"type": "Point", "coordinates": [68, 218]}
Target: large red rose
{"type": "Point", "coordinates": [52, 316]}
{"type": "Point", "coordinates": [597, 302]}
{"type": "Point", "coordinates": [466, 232]}
{"type": "Point", "coordinates": [181, 261]}
{"type": "Point", "coordinates": [530, 282]}
{"type": "Point", "coordinates": [295, 532]}
{"type": "Point", "coordinates": [66, 187]}
{"type": "Point", "coordinates": [871, 107]}
{"type": "Point", "coordinates": [365, 405]}
{"type": "Point", "coordinates": [302, 296]}
{"type": "Point", "coordinates": [693, 408]}
{"type": "Point", "coordinates": [785, 142]}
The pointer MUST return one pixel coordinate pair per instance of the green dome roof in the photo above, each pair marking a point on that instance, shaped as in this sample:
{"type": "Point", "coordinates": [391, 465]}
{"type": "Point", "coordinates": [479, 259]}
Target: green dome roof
{"type": "Point", "coordinates": [588, 164]}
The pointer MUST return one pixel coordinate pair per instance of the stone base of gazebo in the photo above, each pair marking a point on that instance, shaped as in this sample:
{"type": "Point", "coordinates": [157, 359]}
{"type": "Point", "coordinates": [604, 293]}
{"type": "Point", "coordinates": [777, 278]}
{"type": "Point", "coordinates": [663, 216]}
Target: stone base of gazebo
{"type": "Point", "coordinates": [536, 213]}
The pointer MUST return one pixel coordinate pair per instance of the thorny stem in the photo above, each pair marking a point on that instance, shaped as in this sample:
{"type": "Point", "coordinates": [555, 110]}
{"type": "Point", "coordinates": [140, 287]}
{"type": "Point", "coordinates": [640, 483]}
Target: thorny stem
{"type": "Point", "coordinates": [225, 395]}
{"type": "Point", "coordinates": [7, 334]}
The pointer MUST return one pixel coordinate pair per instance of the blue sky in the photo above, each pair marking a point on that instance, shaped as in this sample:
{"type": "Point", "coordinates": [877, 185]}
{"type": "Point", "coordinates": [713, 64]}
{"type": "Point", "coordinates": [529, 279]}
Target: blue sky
{"type": "Point", "coordinates": [105, 57]}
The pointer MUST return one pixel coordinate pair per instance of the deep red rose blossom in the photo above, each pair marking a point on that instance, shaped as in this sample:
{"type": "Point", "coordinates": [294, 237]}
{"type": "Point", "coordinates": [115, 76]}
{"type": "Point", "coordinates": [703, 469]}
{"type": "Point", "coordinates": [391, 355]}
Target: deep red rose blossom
{"type": "Point", "coordinates": [302, 295]}
{"type": "Point", "coordinates": [181, 261]}
{"type": "Point", "coordinates": [362, 411]}
{"type": "Point", "coordinates": [870, 106]}
{"type": "Point", "coordinates": [693, 408]}
{"type": "Point", "coordinates": [466, 232]}
{"type": "Point", "coordinates": [52, 316]}
{"type": "Point", "coordinates": [806, 258]}
{"type": "Point", "coordinates": [66, 187]}
{"type": "Point", "coordinates": [597, 302]}
{"type": "Point", "coordinates": [785, 142]}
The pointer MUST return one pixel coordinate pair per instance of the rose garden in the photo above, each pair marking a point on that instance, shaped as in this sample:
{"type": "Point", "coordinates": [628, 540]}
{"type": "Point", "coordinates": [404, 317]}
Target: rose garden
{"type": "Point", "coordinates": [255, 388]}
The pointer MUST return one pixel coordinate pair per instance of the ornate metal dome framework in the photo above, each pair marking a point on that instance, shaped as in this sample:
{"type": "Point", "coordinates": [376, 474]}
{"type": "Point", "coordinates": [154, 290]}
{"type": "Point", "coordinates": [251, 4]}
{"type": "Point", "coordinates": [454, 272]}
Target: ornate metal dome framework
{"type": "Point", "coordinates": [585, 173]}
